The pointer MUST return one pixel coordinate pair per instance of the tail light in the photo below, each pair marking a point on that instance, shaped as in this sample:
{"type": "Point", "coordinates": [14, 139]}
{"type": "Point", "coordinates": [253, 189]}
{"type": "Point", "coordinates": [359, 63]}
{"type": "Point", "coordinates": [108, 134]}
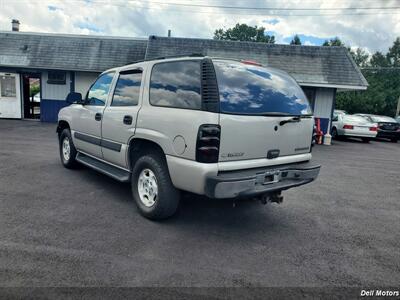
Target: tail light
{"type": "Point", "coordinates": [348, 127]}
{"type": "Point", "coordinates": [373, 129]}
{"type": "Point", "coordinates": [207, 146]}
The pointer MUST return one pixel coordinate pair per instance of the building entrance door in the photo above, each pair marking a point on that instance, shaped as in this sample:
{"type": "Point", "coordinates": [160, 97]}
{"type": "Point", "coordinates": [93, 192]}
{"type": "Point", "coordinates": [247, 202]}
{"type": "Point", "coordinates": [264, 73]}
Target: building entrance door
{"type": "Point", "coordinates": [31, 95]}
{"type": "Point", "coordinates": [10, 96]}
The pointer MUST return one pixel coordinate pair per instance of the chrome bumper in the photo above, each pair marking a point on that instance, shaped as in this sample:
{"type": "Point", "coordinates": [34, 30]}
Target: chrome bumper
{"type": "Point", "coordinates": [258, 181]}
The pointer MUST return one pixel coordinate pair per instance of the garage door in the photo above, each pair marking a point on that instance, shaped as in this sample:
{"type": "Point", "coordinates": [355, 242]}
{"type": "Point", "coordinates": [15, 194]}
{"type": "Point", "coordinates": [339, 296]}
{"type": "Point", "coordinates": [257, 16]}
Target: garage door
{"type": "Point", "coordinates": [10, 96]}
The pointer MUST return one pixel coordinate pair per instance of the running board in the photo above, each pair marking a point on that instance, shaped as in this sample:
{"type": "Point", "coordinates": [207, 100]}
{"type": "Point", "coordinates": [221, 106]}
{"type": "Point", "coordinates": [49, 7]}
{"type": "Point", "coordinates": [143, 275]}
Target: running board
{"type": "Point", "coordinates": [102, 167]}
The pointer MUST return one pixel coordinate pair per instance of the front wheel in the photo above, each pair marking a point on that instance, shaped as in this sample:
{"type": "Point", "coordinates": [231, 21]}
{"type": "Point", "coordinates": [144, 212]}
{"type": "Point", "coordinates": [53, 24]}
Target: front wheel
{"type": "Point", "coordinates": [152, 188]}
{"type": "Point", "coordinates": [67, 149]}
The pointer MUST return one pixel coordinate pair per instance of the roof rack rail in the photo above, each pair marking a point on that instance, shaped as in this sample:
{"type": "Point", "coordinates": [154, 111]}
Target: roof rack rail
{"type": "Point", "coordinates": [177, 56]}
{"type": "Point", "coordinates": [168, 56]}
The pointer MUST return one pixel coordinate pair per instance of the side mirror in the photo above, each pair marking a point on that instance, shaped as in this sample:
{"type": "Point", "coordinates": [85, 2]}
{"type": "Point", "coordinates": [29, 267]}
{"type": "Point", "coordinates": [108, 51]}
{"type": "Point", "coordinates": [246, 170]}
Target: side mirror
{"type": "Point", "coordinates": [74, 98]}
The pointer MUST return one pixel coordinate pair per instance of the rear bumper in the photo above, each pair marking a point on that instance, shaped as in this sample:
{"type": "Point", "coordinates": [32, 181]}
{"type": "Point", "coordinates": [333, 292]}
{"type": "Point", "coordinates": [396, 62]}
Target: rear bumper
{"type": "Point", "coordinates": [359, 133]}
{"type": "Point", "coordinates": [258, 181]}
{"type": "Point", "coordinates": [388, 134]}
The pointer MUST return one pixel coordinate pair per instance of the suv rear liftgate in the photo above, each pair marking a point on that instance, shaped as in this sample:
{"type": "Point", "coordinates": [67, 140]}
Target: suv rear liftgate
{"type": "Point", "coordinates": [265, 121]}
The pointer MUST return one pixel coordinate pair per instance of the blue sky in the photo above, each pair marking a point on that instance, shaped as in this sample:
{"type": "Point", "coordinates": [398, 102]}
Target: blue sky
{"type": "Point", "coordinates": [135, 18]}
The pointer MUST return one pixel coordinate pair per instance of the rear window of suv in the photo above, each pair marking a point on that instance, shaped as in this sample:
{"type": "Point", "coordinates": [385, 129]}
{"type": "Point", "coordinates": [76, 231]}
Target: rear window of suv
{"type": "Point", "coordinates": [254, 90]}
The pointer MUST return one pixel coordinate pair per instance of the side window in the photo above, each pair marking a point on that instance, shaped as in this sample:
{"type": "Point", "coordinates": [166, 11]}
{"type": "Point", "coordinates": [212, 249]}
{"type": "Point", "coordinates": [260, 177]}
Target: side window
{"type": "Point", "coordinates": [98, 92]}
{"type": "Point", "coordinates": [127, 90]}
{"type": "Point", "coordinates": [7, 86]}
{"type": "Point", "coordinates": [56, 77]}
{"type": "Point", "coordinates": [176, 84]}
{"type": "Point", "coordinates": [310, 93]}
{"type": "Point", "coordinates": [335, 117]}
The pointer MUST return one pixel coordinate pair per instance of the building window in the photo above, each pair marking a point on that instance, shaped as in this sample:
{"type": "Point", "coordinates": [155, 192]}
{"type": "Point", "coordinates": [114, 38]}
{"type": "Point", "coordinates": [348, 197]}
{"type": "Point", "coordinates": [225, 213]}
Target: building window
{"type": "Point", "coordinates": [127, 90]}
{"type": "Point", "coordinates": [310, 93]}
{"type": "Point", "coordinates": [56, 77]}
{"type": "Point", "coordinates": [7, 86]}
{"type": "Point", "coordinates": [176, 84]}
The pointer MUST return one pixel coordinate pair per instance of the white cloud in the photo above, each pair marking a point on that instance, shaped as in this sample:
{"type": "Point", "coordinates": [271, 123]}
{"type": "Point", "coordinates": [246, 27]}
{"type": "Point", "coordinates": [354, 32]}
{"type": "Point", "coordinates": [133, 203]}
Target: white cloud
{"type": "Point", "coordinates": [135, 18]}
{"type": "Point", "coordinates": [308, 43]}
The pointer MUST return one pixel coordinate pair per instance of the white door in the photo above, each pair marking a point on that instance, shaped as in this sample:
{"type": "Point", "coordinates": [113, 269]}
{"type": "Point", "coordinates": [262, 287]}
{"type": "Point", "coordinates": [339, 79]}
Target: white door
{"type": "Point", "coordinates": [10, 96]}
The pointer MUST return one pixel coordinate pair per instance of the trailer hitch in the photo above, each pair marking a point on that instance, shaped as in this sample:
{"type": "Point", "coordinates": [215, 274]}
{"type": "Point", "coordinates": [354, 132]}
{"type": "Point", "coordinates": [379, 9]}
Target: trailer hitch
{"type": "Point", "coordinates": [271, 198]}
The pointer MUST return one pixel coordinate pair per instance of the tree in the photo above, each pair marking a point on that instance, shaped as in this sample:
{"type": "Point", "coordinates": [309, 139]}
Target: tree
{"type": "Point", "coordinates": [33, 90]}
{"type": "Point", "coordinates": [393, 55]}
{"type": "Point", "coordinates": [379, 60]}
{"type": "Point", "coordinates": [380, 97]}
{"type": "Point", "coordinates": [296, 40]}
{"type": "Point", "coordinates": [360, 57]}
{"type": "Point", "coordinates": [384, 84]}
{"type": "Point", "coordinates": [244, 32]}
{"type": "Point", "coordinates": [333, 42]}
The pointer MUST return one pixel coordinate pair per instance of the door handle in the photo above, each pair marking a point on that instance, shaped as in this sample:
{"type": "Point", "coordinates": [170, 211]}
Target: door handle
{"type": "Point", "coordinates": [128, 120]}
{"type": "Point", "coordinates": [97, 117]}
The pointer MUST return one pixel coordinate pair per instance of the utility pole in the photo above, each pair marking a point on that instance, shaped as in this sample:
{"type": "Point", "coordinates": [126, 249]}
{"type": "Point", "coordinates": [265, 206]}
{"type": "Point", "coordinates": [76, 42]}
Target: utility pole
{"type": "Point", "coordinates": [398, 107]}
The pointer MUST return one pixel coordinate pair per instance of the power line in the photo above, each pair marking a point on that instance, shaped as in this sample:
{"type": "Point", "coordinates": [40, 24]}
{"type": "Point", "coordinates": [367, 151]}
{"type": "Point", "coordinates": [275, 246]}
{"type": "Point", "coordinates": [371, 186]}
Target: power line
{"type": "Point", "coordinates": [213, 12]}
{"type": "Point", "coordinates": [274, 13]}
{"type": "Point", "coordinates": [268, 8]}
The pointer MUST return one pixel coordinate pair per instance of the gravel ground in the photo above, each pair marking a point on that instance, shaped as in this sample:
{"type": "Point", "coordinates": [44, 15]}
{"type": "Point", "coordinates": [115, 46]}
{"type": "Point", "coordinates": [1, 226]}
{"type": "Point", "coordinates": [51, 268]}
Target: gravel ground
{"type": "Point", "coordinates": [79, 228]}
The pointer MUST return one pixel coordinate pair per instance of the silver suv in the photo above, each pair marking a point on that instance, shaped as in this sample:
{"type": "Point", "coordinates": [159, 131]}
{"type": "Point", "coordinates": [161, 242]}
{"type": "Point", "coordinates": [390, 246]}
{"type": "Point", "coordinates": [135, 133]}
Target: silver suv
{"type": "Point", "coordinates": [215, 127]}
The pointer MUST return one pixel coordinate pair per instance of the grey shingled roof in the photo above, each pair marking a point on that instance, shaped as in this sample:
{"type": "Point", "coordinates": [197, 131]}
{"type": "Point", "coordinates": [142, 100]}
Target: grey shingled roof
{"type": "Point", "coordinates": [68, 52]}
{"type": "Point", "coordinates": [309, 65]}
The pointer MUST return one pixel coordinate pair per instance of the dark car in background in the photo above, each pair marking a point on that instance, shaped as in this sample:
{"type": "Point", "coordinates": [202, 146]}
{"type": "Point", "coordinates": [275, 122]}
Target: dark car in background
{"type": "Point", "coordinates": [388, 127]}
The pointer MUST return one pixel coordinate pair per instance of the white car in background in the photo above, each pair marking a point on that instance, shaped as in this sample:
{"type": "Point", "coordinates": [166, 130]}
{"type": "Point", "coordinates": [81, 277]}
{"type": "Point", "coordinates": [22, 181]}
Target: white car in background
{"type": "Point", "coordinates": [36, 98]}
{"type": "Point", "coordinates": [340, 111]}
{"type": "Point", "coordinates": [344, 125]}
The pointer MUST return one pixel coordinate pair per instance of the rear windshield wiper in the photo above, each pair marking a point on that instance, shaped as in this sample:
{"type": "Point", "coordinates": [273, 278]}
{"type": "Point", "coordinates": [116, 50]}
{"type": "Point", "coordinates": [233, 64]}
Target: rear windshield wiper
{"type": "Point", "coordinates": [282, 114]}
{"type": "Point", "coordinates": [275, 114]}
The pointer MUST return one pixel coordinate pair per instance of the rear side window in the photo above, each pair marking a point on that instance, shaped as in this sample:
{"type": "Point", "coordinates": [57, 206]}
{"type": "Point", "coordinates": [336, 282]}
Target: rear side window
{"type": "Point", "coordinates": [254, 90]}
{"type": "Point", "coordinates": [127, 90]}
{"type": "Point", "coordinates": [176, 84]}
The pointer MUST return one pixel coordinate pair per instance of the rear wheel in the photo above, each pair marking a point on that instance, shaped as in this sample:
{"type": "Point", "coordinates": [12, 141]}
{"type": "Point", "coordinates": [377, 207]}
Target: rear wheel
{"type": "Point", "coordinates": [152, 188]}
{"type": "Point", "coordinates": [365, 140]}
{"type": "Point", "coordinates": [334, 133]}
{"type": "Point", "coordinates": [394, 140]}
{"type": "Point", "coordinates": [67, 149]}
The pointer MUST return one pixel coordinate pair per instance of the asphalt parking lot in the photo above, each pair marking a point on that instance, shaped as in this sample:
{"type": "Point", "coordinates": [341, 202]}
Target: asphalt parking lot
{"type": "Point", "coordinates": [79, 228]}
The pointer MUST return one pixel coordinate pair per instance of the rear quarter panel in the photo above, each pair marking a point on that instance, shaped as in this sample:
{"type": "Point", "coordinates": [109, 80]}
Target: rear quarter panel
{"type": "Point", "coordinates": [173, 128]}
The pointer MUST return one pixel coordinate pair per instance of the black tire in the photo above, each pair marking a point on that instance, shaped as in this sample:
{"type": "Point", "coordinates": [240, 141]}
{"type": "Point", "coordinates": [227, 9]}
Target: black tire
{"type": "Point", "coordinates": [334, 133]}
{"type": "Point", "coordinates": [366, 140]}
{"type": "Point", "coordinates": [69, 163]}
{"type": "Point", "coordinates": [167, 201]}
{"type": "Point", "coordinates": [394, 140]}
